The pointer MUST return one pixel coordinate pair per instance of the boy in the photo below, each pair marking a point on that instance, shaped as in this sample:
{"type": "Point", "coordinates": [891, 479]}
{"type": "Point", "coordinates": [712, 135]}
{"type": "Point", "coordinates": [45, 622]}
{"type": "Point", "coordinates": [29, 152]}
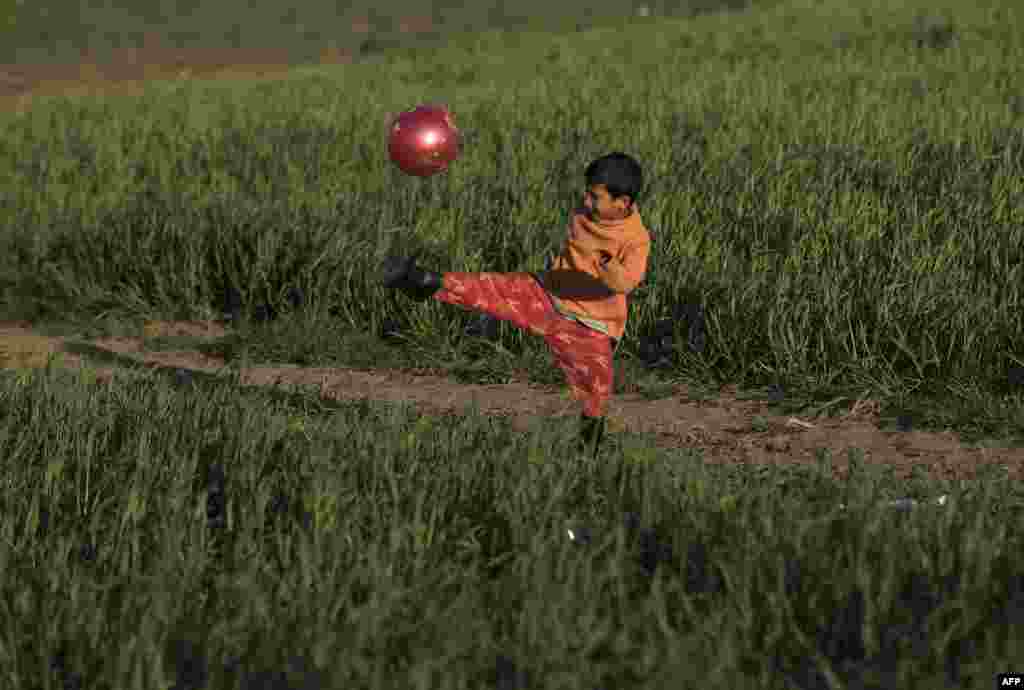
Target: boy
{"type": "Point", "coordinates": [579, 304]}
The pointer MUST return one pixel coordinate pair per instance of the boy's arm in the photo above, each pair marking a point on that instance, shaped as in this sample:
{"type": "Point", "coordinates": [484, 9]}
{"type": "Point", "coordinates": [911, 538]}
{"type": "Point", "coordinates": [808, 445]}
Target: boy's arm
{"type": "Point", "coordinates": [623, 276]}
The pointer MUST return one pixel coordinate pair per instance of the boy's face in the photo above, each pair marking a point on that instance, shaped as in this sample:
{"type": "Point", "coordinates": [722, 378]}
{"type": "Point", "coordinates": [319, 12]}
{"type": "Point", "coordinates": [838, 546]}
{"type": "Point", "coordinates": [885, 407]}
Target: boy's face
{"type": "Point", "coordinates": [601, 206]}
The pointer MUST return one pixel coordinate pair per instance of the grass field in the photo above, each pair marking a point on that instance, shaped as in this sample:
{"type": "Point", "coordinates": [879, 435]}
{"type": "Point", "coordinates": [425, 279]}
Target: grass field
{"type": "Point", "coordinates": [840, 189]}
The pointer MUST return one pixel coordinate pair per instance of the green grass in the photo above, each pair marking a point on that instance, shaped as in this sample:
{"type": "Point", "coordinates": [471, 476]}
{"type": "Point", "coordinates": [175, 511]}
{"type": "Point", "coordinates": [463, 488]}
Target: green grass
{"type": "Point", "coordinates": [840, 189]}
{"type": "Point", "coordinates": [387, 549]}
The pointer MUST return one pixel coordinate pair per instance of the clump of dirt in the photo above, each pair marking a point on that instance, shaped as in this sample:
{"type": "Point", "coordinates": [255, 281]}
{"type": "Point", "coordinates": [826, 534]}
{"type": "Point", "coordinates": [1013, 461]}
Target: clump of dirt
{"type": "Point", "coordinates": [24, 350]}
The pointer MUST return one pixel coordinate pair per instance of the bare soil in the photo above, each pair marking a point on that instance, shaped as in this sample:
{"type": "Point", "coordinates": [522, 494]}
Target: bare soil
{"type": "Point", "coordinates": [722, 428]}
{"type": "Point", "coordinates": [127, 70]}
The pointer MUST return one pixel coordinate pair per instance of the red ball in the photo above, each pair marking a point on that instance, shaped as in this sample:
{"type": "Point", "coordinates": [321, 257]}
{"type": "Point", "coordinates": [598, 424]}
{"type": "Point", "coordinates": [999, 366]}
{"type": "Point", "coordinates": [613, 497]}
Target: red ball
{"type": "Point", "coordinates": [424, 141]}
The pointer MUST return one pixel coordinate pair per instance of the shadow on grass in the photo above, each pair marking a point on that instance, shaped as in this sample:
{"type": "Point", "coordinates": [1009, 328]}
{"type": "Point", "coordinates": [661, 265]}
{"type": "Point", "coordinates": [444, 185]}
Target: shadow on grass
{"type": "Point", "coordinates": [180, 377]}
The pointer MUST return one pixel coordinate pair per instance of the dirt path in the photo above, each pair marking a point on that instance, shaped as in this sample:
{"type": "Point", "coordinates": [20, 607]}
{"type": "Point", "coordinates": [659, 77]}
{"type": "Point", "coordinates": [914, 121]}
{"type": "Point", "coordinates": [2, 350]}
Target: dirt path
{"type": "Point", "coordinates": [722, 428]}
{"type": "Point", "coordinates": [128, 70]}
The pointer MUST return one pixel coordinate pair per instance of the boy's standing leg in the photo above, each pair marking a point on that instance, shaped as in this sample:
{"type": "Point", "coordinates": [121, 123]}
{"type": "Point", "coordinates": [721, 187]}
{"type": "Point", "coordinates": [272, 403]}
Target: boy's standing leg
{"type": "Point", "coordinates": [586, 357]}
{"type": "Point", "coordinates": [583, 354]}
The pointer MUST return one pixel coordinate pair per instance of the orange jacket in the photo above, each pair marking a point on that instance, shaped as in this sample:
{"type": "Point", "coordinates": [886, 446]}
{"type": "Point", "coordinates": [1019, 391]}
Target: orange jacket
{"type": "Point", "coordinates": [600, 263]}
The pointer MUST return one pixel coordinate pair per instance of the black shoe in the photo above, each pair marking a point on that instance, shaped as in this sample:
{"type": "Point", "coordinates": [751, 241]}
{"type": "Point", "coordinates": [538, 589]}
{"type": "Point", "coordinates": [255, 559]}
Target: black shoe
{"type": "Point", "coordinates": [403, 273]}
{"type": "Point", "coordinates": [591, 433]}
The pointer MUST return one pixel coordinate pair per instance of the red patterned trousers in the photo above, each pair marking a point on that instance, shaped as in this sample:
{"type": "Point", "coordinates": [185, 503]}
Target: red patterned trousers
{"type": "Point", "coordinates": [583, 354]}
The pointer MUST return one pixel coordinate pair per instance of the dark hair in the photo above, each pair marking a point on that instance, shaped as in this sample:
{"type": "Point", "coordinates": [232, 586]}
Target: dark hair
{"type": "Point", "coordinates": [619, 173]}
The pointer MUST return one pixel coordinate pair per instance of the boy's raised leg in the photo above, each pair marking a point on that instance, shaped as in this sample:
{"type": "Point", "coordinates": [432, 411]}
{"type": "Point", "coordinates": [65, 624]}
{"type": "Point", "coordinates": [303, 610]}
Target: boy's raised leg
{"type": "Point", "coordinates": [513, 297]}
